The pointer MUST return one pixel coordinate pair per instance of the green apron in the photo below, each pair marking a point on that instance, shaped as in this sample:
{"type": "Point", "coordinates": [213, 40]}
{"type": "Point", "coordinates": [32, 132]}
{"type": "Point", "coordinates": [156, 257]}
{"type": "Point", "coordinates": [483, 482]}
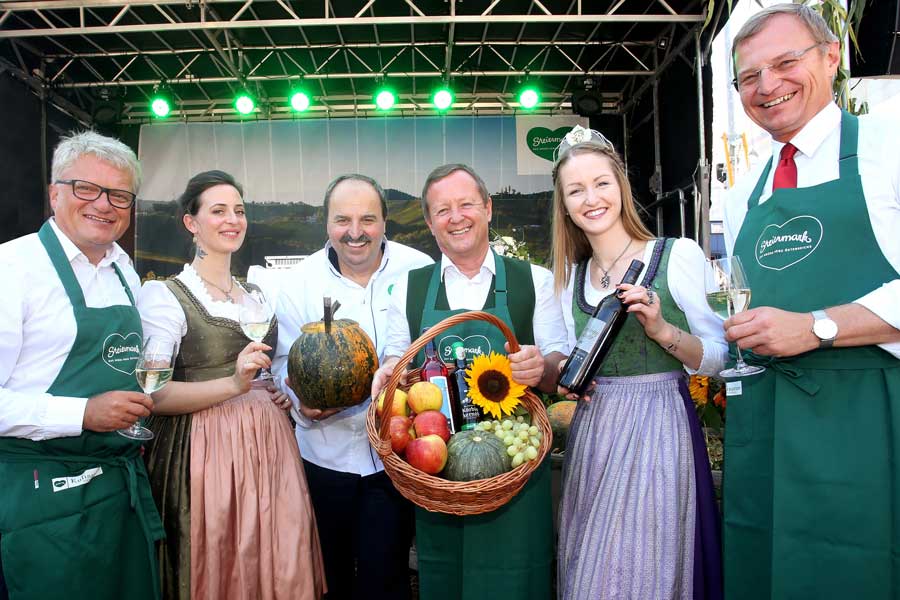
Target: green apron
{"type": "Point", "coordinates": [811, 492]}
{"type": "Point", "coordinates": [77, 519]}
{"type": "Point", "coordinates": [506, 553]}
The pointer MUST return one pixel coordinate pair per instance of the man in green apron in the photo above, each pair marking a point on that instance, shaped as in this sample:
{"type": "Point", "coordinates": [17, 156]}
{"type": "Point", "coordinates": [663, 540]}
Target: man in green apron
{"type": "Point", "coordinates": [812, 480]}
{"type": "Point", "coordinates": [506, 553]}
{"type": "Point", "coordinates": [76, 516]}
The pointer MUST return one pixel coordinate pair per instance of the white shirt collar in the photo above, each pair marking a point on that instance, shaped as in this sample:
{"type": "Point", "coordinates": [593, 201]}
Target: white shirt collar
{"type": "Point", "coordinates": [385, 254]}
{"type": "Point", "coordinates": [811, 137]}
{"type": "Point", "coordinates": [113, 254]}
{"type": "Point", "coordinates": [486, 264]}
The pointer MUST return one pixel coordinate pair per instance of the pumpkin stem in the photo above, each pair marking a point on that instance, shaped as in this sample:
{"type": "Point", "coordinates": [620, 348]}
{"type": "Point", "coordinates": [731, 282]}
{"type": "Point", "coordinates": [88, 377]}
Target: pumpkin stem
{"type": "Point", "coordinates": [327, 314]}
{"type": "Point", "coordinates": [334, 308]}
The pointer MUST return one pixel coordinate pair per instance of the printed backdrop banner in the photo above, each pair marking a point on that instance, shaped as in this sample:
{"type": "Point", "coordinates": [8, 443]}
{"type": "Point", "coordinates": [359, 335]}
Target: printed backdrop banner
{"type": "Point", "coordinates": [537, 138]}
{"type": "Point", "coordinates": [285, 167]}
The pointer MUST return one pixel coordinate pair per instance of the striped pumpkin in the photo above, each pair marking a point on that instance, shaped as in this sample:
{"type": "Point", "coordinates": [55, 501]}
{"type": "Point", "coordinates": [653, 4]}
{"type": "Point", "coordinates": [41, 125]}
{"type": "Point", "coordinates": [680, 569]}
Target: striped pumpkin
{"type": "Point", "coordinates": [331, 364]}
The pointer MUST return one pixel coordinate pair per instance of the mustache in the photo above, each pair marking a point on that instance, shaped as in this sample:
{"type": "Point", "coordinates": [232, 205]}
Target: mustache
{"type": "Point", "coordinates": [348, 238]}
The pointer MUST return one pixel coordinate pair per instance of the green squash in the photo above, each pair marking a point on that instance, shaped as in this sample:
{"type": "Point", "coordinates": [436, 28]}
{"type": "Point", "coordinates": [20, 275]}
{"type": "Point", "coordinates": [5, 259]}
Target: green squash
{"type": "Point", "coordinates": [331, 363]}
{"type": "Point", "coordinates": [475, 455]}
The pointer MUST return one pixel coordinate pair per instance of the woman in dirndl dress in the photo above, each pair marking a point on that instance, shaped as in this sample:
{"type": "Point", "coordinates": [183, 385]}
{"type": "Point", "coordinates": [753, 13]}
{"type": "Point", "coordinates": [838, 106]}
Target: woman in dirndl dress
{"type": "Point", "coordinates": [224, 467]}
{"type": "Point", "coordinates": [638, 517]}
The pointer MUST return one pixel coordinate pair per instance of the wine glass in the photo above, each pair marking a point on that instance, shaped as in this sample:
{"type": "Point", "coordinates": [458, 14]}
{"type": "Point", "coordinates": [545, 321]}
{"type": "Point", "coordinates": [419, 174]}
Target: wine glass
{"type": "Point", "coordinates": [728, 293]}
{"type": "Point", "coordinates": [254, 315]}
{"type": "Point", "coordinates": [154, 370]}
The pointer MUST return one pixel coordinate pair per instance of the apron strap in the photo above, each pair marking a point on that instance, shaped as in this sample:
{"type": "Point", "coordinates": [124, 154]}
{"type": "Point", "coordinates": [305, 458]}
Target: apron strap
{"type": "Point", "coordinates": [785, 367]}
{"type": "Point", "coordinates": [63, 268]}
{"type": "Point", "coordinates": [124, 283]}
{"type": "Point", "coordinates": [849, 161]}
{"type": "Point", "coordinates": [753, 200]}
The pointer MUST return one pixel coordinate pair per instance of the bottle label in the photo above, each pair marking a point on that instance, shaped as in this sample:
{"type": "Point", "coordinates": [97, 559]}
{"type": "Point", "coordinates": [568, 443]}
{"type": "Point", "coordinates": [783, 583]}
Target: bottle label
{"type": "Point", "coordinates": [441, 382]}
{"type": "Point", "coordinates": [470, 413]}
{"type": "Point", "coordinates": [591, 332]}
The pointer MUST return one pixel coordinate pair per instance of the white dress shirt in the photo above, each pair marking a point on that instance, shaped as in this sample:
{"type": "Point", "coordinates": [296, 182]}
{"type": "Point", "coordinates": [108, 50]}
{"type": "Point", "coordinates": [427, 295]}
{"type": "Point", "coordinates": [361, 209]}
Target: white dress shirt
{"type": "Point", "coordinates": [470, 293]}
{"type": "Point", "coordinates": [687, 264]}
{"type": "Point", "coordinates": [37, 330]}
{"type": "Point", "coordinates": [818, 145]}
{"type": "Point", "coordinates": [162, 314]}
{"type": "Point", "coordinates": [340, 442]}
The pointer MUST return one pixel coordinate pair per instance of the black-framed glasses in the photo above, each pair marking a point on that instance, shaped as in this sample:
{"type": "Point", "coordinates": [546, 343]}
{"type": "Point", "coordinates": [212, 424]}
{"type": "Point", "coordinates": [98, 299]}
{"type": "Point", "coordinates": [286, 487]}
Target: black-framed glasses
{"type": "Point", "coordinates": [781, 67]}
{"type": "Point", "coordinates": [86, 190]}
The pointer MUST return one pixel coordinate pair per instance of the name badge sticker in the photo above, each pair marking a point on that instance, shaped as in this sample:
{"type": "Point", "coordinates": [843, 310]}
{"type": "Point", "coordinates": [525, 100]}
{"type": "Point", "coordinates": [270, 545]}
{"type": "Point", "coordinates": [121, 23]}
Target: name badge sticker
{"type": "Point", "coordinates": [64, 483]}
{"type": "Point", "coordinates": [733, 388]}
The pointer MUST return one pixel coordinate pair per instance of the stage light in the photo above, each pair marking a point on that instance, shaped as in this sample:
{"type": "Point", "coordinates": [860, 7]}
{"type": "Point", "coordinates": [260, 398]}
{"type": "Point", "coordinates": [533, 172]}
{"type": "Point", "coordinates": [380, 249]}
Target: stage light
{"type": "Point", "coordinates": [160, 105]}
{"type": "Point", "coordinates": [529, 97]}
{"type": "Point", "coordinates": [385, 98]}
{"type": "Point", "coordinates": [300, 100]}
{"type": "Point", "coordinates": [442, 99]}
{"type": "Point", "coordinates": [244, 103]}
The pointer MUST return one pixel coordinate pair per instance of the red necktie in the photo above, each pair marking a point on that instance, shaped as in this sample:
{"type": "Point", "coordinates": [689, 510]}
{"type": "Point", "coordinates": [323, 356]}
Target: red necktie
{"type": "Point", "coordinates": [786, 171]}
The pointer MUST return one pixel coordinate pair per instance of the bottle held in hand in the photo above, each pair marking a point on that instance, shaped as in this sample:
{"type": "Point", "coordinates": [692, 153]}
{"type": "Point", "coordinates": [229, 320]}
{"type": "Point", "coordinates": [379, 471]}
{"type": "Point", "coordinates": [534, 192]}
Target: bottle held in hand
{"type": "Point", "coordinates": [597, 338]}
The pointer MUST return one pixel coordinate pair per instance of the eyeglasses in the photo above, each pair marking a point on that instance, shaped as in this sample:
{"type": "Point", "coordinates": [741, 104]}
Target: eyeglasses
{"type": "Point", "coordinates": [788, 61]}
{"type": "Point", "coordinates": [85, 190]}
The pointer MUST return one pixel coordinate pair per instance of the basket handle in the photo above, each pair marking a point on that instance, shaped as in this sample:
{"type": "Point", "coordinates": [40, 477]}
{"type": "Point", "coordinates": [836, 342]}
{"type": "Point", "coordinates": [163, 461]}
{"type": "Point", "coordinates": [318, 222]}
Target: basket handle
{"type": "Point", "coordinates": [422, 341]}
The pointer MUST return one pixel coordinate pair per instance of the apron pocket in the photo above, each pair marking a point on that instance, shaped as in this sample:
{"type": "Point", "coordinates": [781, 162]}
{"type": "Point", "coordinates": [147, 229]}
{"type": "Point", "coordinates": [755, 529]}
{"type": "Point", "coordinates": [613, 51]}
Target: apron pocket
{"type": "Point", "coordinates": [100, 552]}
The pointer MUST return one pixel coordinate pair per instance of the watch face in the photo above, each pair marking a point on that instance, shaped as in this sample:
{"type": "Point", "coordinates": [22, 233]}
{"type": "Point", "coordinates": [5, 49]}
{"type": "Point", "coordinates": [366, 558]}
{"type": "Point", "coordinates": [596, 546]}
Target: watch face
{"type": "Point", "coordinates": [825, 329]}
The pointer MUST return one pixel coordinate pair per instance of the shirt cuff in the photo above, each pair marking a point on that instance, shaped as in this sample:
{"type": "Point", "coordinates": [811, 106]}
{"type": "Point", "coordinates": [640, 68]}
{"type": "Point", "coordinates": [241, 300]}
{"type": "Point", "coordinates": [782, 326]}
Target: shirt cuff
{"type": "Point", "coordinates": [64, 416]}
{"type": "Point", "coordinates": [884, 302]}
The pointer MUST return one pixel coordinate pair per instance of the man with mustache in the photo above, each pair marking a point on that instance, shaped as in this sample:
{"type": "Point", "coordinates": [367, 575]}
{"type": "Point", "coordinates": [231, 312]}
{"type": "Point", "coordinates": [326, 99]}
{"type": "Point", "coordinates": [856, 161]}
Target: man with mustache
{"type": "Point", "coordinates": [812, 470]}
{"type": "Point", "coordinates": [365, 525]}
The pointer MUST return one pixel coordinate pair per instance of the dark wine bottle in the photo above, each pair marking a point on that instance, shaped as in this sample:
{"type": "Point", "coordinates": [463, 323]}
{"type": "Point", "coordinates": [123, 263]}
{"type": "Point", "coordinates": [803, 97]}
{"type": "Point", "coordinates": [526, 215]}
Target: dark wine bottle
{"type": "Point", "coordinates": [435, 371]}
{"type": "Point", "coordinates": [469, 413]}
{"type": "Point", "coordinates": [597, 338]}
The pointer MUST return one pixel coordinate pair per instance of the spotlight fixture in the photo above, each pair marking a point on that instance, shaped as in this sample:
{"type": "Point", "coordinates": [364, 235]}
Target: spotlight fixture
{"type": "Point", "coordinates": [529, 96]}
{"type": "Point", "coordinates": [299, 100]}
{"type": "Point", "coordinates": [244, 103]}
{"type": "Point", "coordinates": [161, 102]}
{"type": "Point", "coordinates": [442, 99]}
{"type": "Point", "coordinates": [385, 98]}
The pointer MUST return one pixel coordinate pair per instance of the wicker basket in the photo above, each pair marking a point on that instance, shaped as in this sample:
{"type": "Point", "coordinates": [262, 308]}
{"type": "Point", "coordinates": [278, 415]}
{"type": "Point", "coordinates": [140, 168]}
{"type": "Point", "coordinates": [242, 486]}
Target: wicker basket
{"type": "Point", "coordinates": [454, 497]}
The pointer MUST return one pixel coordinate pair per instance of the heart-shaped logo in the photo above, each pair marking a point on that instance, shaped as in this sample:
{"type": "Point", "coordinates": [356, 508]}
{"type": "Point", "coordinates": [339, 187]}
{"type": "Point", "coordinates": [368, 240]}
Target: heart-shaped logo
{"type": "Point", "coordinates": [543, 142]}
{"type": "Point", "coordinates": [121, 352]}
{"type": "Point", "coordinates": [474, 345]}
{"type": "Point", "coordinates": [782, 246]}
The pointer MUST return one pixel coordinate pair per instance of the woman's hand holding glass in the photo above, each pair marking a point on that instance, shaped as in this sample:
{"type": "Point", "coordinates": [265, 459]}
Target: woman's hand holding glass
{"type": "Point", "coordinates": [252, 359]}
{"type": "Point", "coordinates": [255, 316]}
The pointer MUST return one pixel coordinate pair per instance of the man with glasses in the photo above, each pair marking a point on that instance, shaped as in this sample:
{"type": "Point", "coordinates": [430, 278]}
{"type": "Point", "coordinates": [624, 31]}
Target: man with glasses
{"type": "Point", "coordinates": [812, 492]}
{"type": "Point", "coordinates": [77, 517]}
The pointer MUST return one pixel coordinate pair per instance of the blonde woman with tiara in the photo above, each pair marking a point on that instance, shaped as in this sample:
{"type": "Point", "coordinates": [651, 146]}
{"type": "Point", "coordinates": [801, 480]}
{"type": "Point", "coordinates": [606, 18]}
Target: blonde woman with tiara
{"type": "Point", "coordinates": [638, 518]}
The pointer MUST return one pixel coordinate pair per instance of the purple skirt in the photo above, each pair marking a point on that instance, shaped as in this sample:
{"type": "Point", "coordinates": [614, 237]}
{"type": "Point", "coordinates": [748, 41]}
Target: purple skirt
{"type": "Point", "coordinates": [638, 517]}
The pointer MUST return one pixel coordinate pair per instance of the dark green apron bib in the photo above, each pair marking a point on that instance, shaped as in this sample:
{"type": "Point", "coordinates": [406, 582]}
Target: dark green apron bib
{"type": "Point", "coordinates": [811, 483]}
{"type": "Point", "coordinates": [77, 518]}
{"type": "Point", "coordinates": [506, 553]}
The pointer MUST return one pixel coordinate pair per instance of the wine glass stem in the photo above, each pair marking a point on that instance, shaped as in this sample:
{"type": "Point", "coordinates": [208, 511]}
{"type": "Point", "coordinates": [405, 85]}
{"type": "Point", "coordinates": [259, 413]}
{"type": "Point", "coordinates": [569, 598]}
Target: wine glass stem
{"type": "Point", "coordinates": [739, 363]}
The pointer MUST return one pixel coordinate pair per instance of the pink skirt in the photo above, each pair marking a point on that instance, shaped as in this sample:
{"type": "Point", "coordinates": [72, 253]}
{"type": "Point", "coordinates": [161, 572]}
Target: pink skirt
{"type": "Point", "coordinates": [253, 530]}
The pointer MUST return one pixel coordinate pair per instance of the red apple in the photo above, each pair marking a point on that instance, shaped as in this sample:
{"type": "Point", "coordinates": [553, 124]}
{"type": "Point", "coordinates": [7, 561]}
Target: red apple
{"type": "Point", "coordinates": [401, 433]}
{"type": "Point", "coordinates": [428, 454]}
{"type": "Point", "coordinates": [432, 422]}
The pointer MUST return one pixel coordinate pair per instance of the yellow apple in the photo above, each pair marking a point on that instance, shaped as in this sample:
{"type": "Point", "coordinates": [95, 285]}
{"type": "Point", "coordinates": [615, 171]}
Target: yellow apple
{"type": "Point", "coordinates": [398, 409]}
{"type": "Point", "coordinates": [423, 396]}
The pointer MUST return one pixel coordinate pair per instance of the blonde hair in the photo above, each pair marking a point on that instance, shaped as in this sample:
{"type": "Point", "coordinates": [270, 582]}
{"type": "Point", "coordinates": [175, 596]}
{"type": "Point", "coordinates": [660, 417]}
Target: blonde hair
{"type": "Point", "coordinates": [570, 244]}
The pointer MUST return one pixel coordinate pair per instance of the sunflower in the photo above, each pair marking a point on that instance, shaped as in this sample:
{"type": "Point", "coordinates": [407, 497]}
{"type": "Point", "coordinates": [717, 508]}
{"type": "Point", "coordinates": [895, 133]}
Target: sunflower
{"type": "Point", "coordinates": [699, 389]}
{"type": "Point", "coordinates": [491, 386]}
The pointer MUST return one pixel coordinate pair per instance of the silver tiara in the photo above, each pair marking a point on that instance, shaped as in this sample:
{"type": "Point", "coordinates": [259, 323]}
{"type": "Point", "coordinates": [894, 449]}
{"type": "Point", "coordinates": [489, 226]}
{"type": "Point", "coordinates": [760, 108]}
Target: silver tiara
{"type": "Point", "coordinates": [580, 135]}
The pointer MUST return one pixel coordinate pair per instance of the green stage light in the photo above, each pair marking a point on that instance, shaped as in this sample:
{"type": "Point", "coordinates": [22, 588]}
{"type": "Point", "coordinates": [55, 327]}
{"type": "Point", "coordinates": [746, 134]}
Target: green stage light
{"type": "Point", "coordinates": [442, 99]}
{"type": "Point", "coordinates": [529, 97]}
{"type": "Point", "coordinates": [300, 100]}
{"type": "Point", "coordinates": [160, 105]}
{"type": "Point", "coordinates": [244, 103]}
{"type": "Point", "coordinates": [385, 99]}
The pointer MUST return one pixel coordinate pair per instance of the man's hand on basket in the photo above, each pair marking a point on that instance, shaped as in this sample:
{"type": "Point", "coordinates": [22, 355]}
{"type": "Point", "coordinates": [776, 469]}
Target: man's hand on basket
{"type": "Point", "coordinates": [383, 375]}
{"type": "Point", "coordinates": [527, 365]}
{"type": "Point", "coordinates": [313, 414]}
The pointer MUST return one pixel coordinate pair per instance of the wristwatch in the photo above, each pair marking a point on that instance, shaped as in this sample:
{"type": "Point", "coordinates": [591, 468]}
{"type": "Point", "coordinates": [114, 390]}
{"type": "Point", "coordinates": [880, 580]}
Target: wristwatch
{"type": "Point", "coordinates": [824, 328]}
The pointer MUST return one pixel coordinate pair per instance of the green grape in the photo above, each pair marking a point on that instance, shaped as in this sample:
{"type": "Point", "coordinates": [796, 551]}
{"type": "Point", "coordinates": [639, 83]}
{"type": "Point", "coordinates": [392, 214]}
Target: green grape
{"type": "Point", "coordinates": [517, 460]}
{"type": "Point", "coordinates": [512, 451]}
{"type": "Point", "coordinates": [485, 426]}
{"type": "Point", "coordinates": [533, 430]}
{"type": "Point", "coordinates": [509, 439]}
{"type": "Point", "coordinates": [531, 453]}
{"type": "Point", "coordinates": [507, 425]}
{"type": "Point", "coordinates": [523, 435]}
{"type": "Point", "coordinates": [536, 443]}
{"type": "Point", "coordinates": [520, 419]}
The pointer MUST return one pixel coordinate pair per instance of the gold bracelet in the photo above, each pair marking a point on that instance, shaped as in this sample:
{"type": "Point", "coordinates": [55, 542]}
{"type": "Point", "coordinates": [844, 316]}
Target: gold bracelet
{"type": "Point", "coordinates": [673, 347]}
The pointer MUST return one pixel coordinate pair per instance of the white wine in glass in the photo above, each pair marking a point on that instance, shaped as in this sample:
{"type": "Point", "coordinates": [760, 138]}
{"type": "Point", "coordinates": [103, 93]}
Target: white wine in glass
{"type": "Point", "coordinates": [255, 316]}
{"type": "Point", "coordinates": [728, 293]}
{"type": "Point", "coordinates": [153, 371]}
